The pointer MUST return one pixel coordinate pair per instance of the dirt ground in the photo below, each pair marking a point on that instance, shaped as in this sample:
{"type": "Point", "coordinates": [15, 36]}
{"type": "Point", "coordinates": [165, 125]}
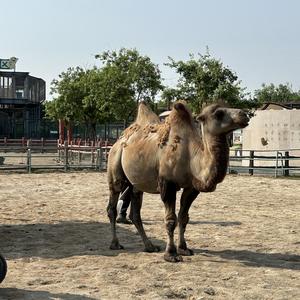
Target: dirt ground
{"type": "Point", "coordinates": [55, 235]}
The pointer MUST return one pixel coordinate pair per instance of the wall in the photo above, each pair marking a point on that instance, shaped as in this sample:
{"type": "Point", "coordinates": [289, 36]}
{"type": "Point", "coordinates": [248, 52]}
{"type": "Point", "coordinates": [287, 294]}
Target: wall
{"type": "Point", "coordinates": [273, 130]}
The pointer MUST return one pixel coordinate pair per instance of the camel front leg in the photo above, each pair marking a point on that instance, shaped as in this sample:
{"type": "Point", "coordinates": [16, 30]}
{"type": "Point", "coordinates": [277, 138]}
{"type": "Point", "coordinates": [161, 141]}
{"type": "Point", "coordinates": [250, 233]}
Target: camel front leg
{"type": "Point", "coordinates": [187, 198]}
{"type": "Point", "coordinates": [135, 217]}
{"type": "Point", "coordinates": [168, 195]}
{"type": "Point", "coordinates": [112, 215]}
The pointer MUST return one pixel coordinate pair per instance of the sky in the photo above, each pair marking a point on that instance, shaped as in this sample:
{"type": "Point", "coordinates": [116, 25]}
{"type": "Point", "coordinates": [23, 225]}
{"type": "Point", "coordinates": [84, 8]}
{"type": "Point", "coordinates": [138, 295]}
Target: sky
{"type": "Point", "coordinates": [257, 39]}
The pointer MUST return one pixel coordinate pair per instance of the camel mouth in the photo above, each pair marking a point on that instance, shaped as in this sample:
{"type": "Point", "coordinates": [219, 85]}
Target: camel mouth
{"type": "Point", "coordinates": [243, 124]}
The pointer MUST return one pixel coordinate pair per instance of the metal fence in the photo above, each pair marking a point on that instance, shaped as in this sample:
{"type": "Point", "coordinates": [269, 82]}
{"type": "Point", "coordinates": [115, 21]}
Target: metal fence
{"type": "Point", "coordinates": [265, 162]}
{"type": "Point", "coordinates": [59, 157]}
{"type": "Point", "coordinates": [41, 155]}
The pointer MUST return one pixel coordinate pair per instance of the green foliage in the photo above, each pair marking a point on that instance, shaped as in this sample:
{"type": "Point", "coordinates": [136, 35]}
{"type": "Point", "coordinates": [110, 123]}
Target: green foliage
{"type": "Point", "coordinates": [205, 80]}
{"type": "Point", "coordinates": [168, 96]}
{"type": "Point", "coordinates": [282, 93]}
{"type": "Point", "coordinates": [128, 78]}
{"type": "Point", "coordinates": [68, 103]}
{"type": "Point", "coordinates": [103, 94]}
{"type": "Point", "coordinates": [112, 91]}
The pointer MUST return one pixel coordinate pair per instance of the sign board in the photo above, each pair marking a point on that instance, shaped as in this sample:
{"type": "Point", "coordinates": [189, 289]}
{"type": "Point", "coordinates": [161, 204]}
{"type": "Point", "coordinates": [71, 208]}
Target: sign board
{"type": "Point", "coordinates": [8, 64]}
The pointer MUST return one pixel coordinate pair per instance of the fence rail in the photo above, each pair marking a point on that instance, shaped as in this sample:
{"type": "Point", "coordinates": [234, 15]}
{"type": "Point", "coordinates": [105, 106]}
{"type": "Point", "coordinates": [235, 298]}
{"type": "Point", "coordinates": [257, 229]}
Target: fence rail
{"type": "Point", "coordinates": [93, 155]}
{"type": "Point", "coordinates": [59, 157]}
{"type": "Point", "coordinates": [276, 162]}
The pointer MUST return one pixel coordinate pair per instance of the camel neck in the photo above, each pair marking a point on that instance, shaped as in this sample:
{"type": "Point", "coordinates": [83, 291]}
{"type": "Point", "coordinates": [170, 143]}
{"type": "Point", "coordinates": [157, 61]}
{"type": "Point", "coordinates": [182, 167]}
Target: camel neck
{"type": "Point", "coordinates": [211, 162]}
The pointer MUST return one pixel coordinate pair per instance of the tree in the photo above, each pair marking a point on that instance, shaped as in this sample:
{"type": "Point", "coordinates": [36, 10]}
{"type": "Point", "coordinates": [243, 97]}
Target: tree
{"type": "Point", "coordinates": [282, 93]}
{"type": "Point", "coordinates": [168, 96]}
{"type": "Point", "coordinates": [204, 80]}
{"type": "Point", "coordinates": [67, 105]}
{"type": "Point", "coordinates": [76, 100]}
{"type": "Point", "coordinates": [128, 77]}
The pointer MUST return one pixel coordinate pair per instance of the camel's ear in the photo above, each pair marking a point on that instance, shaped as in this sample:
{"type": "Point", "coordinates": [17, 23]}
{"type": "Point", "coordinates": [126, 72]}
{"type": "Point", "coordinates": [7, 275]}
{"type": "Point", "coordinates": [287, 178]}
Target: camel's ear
{"type": "Point", "coordinates": [200, 118]}
{"type": "Point", "coordinates": [179, 106]}
{"type": "Point", "coordinates": [182, 110]}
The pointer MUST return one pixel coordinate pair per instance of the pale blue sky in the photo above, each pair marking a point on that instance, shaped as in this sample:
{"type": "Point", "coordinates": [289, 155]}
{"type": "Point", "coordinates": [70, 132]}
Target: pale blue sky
{"type": "Point", "coordinates": [259, 40]}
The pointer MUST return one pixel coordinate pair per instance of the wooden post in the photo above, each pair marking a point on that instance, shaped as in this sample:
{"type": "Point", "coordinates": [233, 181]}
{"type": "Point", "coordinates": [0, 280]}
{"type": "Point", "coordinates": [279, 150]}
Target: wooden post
{"type": "Point", "coordinates": [97, 166]}
{"type": "Point", "coordinates": [251, 162]}
{"type": "Point", "coordinates": [92, 153]}
{"type": "Point", "coordinates": [28, 156]}
{"type": "Point", "coordinates": [276, 164]}
{"type": "Point", "coordinates": [59, 150]}
{"type": "Point", "coordinates": [61, 130]}
{"type": "Point", "coordinates": [42, 144]}
{"type": "Point", "coordinates": [79, 155]}
{"type": "Point", "coordinates": [69, 134]}
{"type": "Point", "coordinates": [286, 163]}
{"type": "Point", "coordinates": [101, 158]}
{"type": "Point", "coordinates": [5, 143]}
{"type": "Point", "coordinates": [105, 153]}
{"type": "Point", "coordinates": [66, 158]}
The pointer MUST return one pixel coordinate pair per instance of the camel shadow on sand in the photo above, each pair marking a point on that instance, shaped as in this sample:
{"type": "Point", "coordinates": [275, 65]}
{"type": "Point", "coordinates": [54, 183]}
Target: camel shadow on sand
{"type": "Point", "coordinates": [20, 294]}
{"type": "Point", "coordinates": [73, 238]}
{"type": "Point", "coordinates": [217, 223]}
{"type": "Point", "coordinates": [66, 239]}
{"type": "Point", "coordinates": [256, 259]}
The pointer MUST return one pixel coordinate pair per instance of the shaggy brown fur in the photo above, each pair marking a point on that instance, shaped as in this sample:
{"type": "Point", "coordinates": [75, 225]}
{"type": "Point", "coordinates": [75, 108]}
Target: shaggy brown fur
{"type": "Point", "coordinates": [164, 157]}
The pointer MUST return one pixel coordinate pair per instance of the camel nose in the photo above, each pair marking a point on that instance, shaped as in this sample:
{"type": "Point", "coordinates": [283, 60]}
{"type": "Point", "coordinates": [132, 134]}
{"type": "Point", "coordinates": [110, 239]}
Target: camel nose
{"type": "Point", "coordinates": [243, 116]}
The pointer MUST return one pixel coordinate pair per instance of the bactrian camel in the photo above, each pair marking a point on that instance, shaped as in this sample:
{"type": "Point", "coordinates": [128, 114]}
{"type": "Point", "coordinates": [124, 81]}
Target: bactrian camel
{"type": "Point", "coordinates": [162, 158]}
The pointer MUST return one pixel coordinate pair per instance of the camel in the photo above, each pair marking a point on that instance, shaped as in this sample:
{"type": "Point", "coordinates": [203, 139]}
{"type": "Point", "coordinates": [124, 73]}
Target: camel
{"type": "Point", "coordinates": [162, 158]}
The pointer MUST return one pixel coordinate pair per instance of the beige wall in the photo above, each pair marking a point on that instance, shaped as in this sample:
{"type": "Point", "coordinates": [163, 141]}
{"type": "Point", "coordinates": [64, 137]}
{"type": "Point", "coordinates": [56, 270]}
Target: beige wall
{"type": "Point", "coordinates": [280, 128]}
{"type": "Point", "coordinates": [273, 130]}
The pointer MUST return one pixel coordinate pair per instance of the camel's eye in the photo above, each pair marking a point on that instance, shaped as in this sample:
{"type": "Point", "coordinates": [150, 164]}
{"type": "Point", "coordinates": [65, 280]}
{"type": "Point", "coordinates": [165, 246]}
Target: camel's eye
{"type": "Point", "coordinates": [219, 114]}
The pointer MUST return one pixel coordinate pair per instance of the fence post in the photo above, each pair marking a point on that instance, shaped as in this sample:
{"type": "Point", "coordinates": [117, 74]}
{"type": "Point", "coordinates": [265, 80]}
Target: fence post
{"type": "Point", "coordinates": [276, 165]}
{"type": "Point", "coordinates": [66, 158]}
{"type": "Point", "coordinates": [5, 143]}
{"type": "Point", "coordinates": [42, 144]}
{"type": "Point", "coordinates": [286, 163]}
{"type": "Point", "coordinates": [251, 162]}
{"type": "Point", "coordinates": [92, 153]}
{"type": "Point", "coordinates": [97, 166]}
{"type": "Point", "coordinates": [79, 155]}
{"type": "Point", "coordinates": [105, 153]}
{"type": "Point", "coordinates": [28, 156]}
{"type": "Point", "coordinates": [23, 143]}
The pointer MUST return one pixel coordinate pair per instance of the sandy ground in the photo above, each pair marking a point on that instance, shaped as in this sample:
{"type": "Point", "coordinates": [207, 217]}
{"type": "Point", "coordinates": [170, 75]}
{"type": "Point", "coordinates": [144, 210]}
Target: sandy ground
{"type": "Point", "coordinates": [55, 235]}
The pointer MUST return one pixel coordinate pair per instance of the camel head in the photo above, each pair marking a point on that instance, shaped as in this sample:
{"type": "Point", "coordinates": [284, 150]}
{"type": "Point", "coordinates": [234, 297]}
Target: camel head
{"type": "Point", "coordinates": [218, 120]}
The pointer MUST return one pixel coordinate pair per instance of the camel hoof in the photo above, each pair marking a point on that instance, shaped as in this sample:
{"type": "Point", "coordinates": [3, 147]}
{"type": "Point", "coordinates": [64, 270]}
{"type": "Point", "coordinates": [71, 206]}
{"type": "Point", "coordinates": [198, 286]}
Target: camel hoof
{"type": "Point", "coordinates": [116, 246]}
{"type": "Point", "coordinates": [152, 249]}
{"type": "Point", "coordinates": [173, 258]}
{"type": "Point", "coordinates": [185, 252]}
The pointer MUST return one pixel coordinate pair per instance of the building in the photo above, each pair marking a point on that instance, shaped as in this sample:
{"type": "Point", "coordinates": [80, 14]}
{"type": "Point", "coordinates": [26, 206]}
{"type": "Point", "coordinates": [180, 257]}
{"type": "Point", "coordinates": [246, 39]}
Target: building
{"type": "Point", "coordinates": [21, 98]}
{"type": "Point", "coordinates": [280, 106]}
{"type": "Point", "coordinates": [274, 127]}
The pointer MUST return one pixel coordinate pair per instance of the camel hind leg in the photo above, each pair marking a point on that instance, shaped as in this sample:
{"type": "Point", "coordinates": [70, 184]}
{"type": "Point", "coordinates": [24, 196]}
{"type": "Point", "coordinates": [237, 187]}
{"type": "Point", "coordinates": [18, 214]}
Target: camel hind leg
{"type": "Point", "coordinates": [117, 182]}
{"type": "Point", "coordinates": [112, 215]}
{"type": "Point", "coordinates": [135, 216]}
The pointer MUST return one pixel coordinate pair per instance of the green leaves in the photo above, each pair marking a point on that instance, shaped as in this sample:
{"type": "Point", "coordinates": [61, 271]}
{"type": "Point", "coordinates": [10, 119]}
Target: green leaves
{"type": "Point", "coordinates": [281, 93]}
{"type": "Point", "coordinates": [103, 94]}
{"type": "Point", "coordinates": [125, 77]}
{"type": "Point", "coordinates": [130, 77]}
{"type": "Point", "coordinates": [204, 80]}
